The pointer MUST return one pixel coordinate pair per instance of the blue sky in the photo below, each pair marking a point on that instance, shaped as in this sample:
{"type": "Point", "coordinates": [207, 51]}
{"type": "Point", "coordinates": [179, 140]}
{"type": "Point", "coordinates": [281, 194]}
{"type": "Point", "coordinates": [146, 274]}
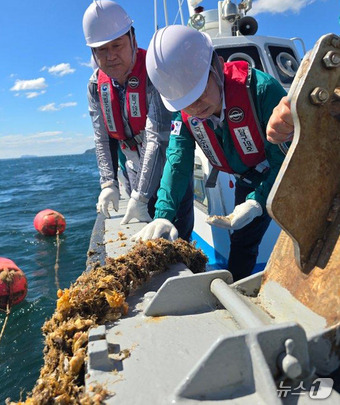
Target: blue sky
{"type": "Point", "coordinates": [45, 63]}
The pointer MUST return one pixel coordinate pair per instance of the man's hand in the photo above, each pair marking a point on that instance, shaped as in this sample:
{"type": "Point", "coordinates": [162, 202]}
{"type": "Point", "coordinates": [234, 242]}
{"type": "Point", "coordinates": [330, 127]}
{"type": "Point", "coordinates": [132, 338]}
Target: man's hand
{"type": "Point", "coordinates": [280, 127]}
{"type": "Point", "coordinates": [136, 209]}
{"type": "Point", "coordinates": [242, 215]}
{"type": "Point", "coordinates": [107, 195]}
{"type": "Point", "coordinates": [158, 228]}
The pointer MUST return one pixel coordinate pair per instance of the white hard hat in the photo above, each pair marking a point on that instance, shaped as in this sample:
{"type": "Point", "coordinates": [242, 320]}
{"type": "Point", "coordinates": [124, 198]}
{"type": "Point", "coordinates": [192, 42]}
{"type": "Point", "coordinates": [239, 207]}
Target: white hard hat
{"type": "Point", "coordinates": [104, 21]}
{"type": "Point", "coordinates": [178, 63]}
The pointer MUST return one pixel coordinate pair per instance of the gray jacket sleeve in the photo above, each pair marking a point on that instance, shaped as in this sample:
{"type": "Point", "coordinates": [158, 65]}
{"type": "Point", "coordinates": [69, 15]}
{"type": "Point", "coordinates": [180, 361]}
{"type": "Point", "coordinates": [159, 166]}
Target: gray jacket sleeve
{"type": "Point", "coordinates": [156, 138]}
{"type": "Point", "coordinates": [107, 168]}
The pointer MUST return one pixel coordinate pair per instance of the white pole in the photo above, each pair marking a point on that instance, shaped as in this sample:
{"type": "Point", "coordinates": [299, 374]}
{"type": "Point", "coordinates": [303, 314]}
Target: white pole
{"type": "Point", "coordinates": [181, 11]}
{"type": "Point", "coordinates": [220, 17]}
{"type": "Point", "coordinates": [155, 14]}
{"type": "Point", "coordinates": [166, 13]}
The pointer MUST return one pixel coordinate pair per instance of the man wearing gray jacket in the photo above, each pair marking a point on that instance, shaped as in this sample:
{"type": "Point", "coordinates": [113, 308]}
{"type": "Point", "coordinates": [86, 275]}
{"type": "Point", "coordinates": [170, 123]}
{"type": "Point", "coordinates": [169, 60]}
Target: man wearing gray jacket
{"type": "Point", "coordinates": [127, 112]}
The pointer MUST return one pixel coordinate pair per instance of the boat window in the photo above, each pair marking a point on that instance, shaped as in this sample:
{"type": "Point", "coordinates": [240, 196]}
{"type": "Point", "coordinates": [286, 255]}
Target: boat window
{"type": "Point", "coordinates": [199, 182]}
{"type": "Point", "coordinates": [285, 63]}
{"type": "Point", "coordinates": [248, 53]}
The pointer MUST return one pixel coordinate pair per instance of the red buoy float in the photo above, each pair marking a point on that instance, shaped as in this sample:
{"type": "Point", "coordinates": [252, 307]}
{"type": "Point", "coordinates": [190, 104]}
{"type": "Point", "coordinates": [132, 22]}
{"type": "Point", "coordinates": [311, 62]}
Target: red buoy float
{"type": "Point", "coordinates": [49, 222]}
{"type": "Point", "coordinates": [13, 283]}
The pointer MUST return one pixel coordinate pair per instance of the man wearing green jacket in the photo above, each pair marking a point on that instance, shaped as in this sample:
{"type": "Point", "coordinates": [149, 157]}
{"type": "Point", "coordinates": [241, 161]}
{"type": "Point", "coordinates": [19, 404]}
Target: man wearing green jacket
{"type": "Point", "coordinates": [224, 108]}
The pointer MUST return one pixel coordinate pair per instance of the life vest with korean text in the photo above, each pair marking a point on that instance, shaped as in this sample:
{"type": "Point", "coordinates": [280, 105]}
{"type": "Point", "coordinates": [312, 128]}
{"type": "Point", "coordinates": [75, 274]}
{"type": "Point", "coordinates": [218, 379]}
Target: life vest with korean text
{"type": "Point", "coordinates": [135, 100]}
{"type": "Point", "coordinates": [242, 121]}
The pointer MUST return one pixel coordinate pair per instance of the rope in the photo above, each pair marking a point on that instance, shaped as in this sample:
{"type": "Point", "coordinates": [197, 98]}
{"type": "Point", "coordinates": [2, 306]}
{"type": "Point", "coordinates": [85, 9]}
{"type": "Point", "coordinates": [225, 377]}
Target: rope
{"type": "Point", "coordinates": [8, 311]}
{"type": "Point", "coordinates": [56, 266]}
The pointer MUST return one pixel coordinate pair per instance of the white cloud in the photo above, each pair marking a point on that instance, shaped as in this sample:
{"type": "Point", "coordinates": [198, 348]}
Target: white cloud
{"type": "Point", "coordinates": [54, 107]}
{"type": "Point", "coordinates": [14, 140]}
{"type": "Point", "coordinates": [34, 94]}
{"type": "Point", "coordinates": [45, 134]}
{"type": "Point", "coordinates": [34, 84]}
{"type": "Point", "coordinates": [48, 107]}
{"type": "Point", "coordinates": [69, 104]}
{"type": "Point", "coordinates": [87, 64]}
{"type": "Point", "coordinates": [279, 6]}
{"type": "Point", "coordinates": [59, 70]}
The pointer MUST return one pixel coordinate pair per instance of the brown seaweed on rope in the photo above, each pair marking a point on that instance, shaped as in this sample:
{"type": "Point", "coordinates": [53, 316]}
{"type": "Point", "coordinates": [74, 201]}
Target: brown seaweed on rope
{"type": "Point", "coordinates": [98, 296]}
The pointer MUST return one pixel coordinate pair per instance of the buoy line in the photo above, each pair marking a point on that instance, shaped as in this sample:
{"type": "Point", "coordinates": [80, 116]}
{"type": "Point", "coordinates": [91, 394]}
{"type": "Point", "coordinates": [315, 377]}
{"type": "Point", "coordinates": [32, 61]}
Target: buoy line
{"type": "Point", "coordinates": [49, 223]}
{"type": "Point", "coordinates": [7, 311]}
{"type": "Point", "coordinates": [56, 266]}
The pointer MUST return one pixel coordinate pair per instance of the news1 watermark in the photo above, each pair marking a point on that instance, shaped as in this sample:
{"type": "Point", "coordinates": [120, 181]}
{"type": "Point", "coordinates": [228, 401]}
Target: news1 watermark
{"type": "Point", "coordinates": [321, 388]}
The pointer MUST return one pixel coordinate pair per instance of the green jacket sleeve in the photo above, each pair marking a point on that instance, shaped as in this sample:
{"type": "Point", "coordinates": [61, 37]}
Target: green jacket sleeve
{"type": "Point", "coordinates": [177, 170]}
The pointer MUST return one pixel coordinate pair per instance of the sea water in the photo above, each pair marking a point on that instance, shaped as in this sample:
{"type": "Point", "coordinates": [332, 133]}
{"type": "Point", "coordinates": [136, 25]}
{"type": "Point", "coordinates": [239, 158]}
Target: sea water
{"type": "Point", "coordinates": [69, 185]}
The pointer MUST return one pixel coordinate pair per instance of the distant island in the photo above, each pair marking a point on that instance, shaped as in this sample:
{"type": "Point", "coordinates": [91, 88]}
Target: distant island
{"type": "Point", "coordinates": [90, 151]}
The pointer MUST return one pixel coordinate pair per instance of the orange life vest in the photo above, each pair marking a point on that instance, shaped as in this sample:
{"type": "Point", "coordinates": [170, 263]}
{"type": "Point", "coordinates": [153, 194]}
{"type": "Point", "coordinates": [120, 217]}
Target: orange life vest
{"type": "Point", "coordinates": [242, 120]}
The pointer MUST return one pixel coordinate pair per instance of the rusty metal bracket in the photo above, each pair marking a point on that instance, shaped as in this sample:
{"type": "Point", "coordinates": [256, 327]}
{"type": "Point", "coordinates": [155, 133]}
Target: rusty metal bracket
{"type": "Point", "coordinates": [305, 197]}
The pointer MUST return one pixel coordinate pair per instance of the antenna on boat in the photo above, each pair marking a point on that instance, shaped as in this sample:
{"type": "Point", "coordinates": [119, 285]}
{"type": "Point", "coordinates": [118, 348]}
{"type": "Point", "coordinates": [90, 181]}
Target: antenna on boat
{"type": "Point", "coordinates": [165, 8]}
{"type": "Point", "coordinates": [155, 14]}
{"type": "Point", "coordinates": [165, 13]}
{"type": "Point", "coordinates": [180, 11]}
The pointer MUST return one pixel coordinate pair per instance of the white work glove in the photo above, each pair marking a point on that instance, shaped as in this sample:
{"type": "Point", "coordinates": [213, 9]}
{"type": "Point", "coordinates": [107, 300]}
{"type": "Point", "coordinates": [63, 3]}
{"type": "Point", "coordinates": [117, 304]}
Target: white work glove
{"type": "Point", "coordinates": [158, 228]}
{"type": "Point", "coordinates": [107, 195]}
{"type": "Point", "coordinates": [242, 215]}
{"type": "Point", "coordinates": [136, 209]}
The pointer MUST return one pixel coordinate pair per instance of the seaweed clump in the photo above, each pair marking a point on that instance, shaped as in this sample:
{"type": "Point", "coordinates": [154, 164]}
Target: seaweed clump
{"type": "Point", "coordinates": [98, 296]}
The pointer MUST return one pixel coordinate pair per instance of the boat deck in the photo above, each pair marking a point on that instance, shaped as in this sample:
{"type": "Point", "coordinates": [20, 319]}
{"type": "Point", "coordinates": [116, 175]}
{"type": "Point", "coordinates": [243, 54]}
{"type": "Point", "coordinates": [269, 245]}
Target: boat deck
{"type": "Point", "coordinates": [192, 338]}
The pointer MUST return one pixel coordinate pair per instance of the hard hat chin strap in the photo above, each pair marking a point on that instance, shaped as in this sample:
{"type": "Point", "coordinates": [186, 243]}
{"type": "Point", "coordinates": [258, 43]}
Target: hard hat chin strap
{"type": "Point", "coordinates": [133, 58]}
{"type": "Point", "coordinates": [134, 53]}
{"type": "Point", "coordinates": [93, 50]}
{"type": "Point", "coordinates": [217, 71]}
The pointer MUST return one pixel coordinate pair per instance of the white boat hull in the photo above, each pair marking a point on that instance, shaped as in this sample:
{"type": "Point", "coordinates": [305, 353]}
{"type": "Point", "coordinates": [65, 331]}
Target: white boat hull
{"type": "Point", "coordinates": [215, 242]}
